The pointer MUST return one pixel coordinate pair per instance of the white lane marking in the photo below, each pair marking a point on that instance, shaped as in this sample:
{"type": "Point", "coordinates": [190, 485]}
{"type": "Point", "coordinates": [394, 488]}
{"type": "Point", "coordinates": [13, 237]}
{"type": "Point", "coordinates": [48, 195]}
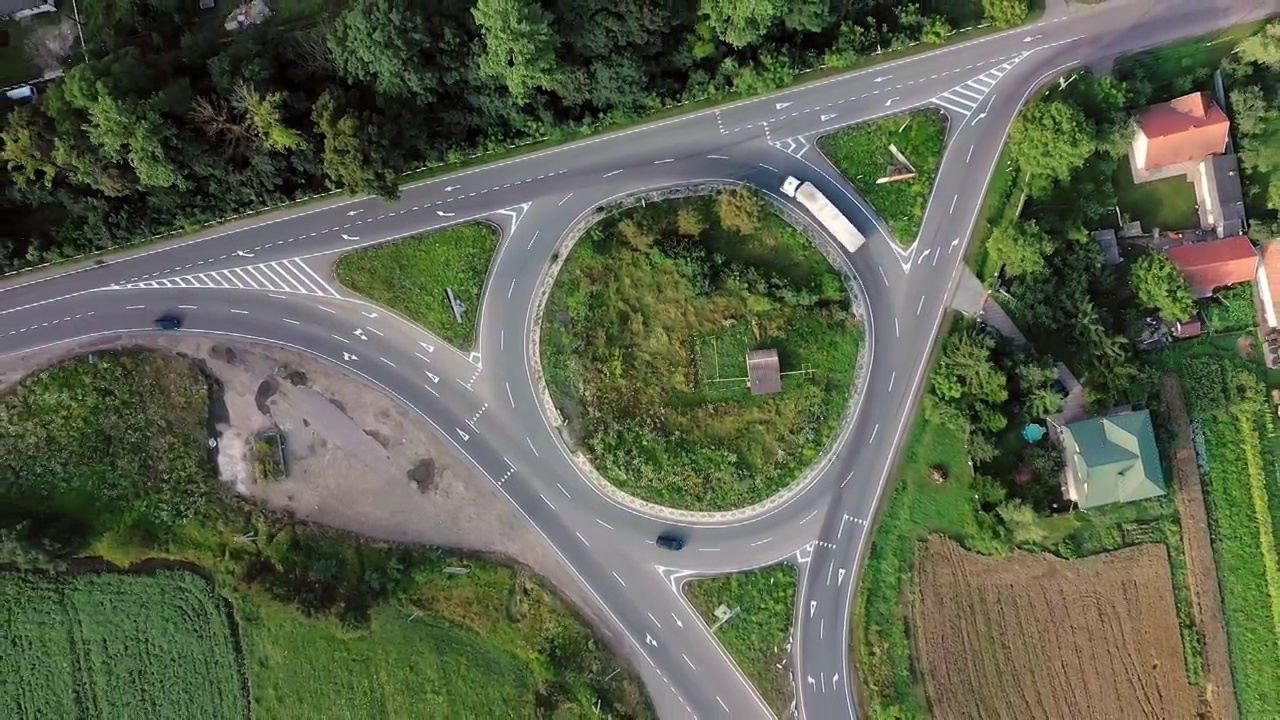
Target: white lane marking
{"type": "Point", "coordinates": [808, 517]}
{"type": "Point", "coordinates": [328, 310]}
{"type": "Point", "coordinates": [422, 357]}
{"type": "Point", "coordinates": [654, 619]}
{"type": "Point", "coordinates": [510, 289]}
{"type": "Point", "coordinates": [566, 199]}
{"type": "Point", "coordinates": [374, 331]}
{"type": "Point", "coordinates": [433, 392]}
{"type": "Point", "coordinates": [678, 623]}
{"type": "Point", "coordinates": [893, 376]}
{"type": "Point", "coordinates": [387, 361]}
{"type": "Point", "coordinates": [278, 297]}
{"type": "Point", "coordinates": [566, 492]}
{"type": "Point", "coordinates": [883, 276]}
{"type": "Point", "coordinates": [291, 322]}
{"type": "Point", "coordinates": [970, 155]}
{"type": "Point", "coordinates": [953, 204]}
{"type": "Point", "coordinates": [134, 307]}
{"type": "Point", "coordinates": [761, 542]}
{"type": "Point", "coordinates": [846, 480]}
{"type": "Point", "coordinates": [686, 659]}
{"type": "Point", "coordinates": [767, 167]}
{"type": "Point", "coordinates": [605, 524]}
{"type": "Point", "coordinates": [619, 579]}
{"type": "Point", "coordinates": [822, 626]}
{"type": "Point", "coordinates": [726, 707]}
{"type": "Point", "coordinates": [502, 339]}
{"type": "Point", "coordinates": [187, 307]}
{"type": "Point", "coordinates": [895, 328]}
{"type": "Point", "coordinates": [659, 162]}
{"type": "Point", "coordinates": [534, 239]}
{"type": "Point", "coordinates": [920, 306]}
{"type": "Point", "coordinates": [339, 337]}
{"type": "Point", "coordinates": [548, 502]}
{"type": "Point", "coordinates": [830, 570]}
{"type": "Point", "coordinates": [708, 549]}
{"type": "Point", "coordinates": [584, 540]}
{"type": "Point", "coordinates": [531, 447]}
{"type": "Point", "coordinates": [873, 433]}
{"type": "Point", "coordinates": [611, 174]}
{"type": "Point", "coordinates": [718, 157]}
{"type": "Point", "coordinates": [509, 396]}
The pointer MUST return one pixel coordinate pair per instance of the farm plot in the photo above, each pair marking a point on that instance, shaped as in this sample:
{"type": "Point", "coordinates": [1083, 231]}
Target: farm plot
{"type": "Point", "coordinates": [117, 645]}
{"type": "Point", "coordinates": [1038, 636]}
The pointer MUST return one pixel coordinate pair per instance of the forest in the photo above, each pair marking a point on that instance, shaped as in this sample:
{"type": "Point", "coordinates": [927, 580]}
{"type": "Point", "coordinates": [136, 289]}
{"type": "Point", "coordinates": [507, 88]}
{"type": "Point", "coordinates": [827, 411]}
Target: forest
{"type": "Point", "coordinates": [167, 120]}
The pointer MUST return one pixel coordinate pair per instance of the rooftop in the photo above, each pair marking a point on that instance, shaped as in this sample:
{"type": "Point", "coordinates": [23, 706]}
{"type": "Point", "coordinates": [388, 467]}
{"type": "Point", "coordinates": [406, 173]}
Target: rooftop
{"type": "Point", "coordinates": [1112, 459]}
{"type": "Point", "coordinates": [1226, 195]}
{"type": "Point", "coordinates": [1268, 285]}
{"type": "Point", "coordinates": [764, 372]}
{"type": "Point", "coordinates": [1212, 264]}
{"type": "Point", "coordinates": [1184, 129]}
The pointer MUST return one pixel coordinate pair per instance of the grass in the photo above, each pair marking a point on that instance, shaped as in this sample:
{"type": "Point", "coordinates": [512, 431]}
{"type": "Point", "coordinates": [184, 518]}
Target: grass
{"type": "Point", "coordinates": [117, 645]}
{"type": "Point", "coordinates": [1169, 204]}
{"type": "Point", "coordinates": [999, 206]}
{"type": "Point", "coordinates": [411, 276]}
{"type": "Point", "coordinates": [331, 625]}
{"type": "Point", "coordinates": [1181, 67]}
{"type": "Point", "coordinates": [862, 155]}
{"type": "Point", "coordinates": [644, 337]}
{"type": "Point", "coordinates": [1231, 310]}
{"type": "Point", "coordinates": [757, 636]}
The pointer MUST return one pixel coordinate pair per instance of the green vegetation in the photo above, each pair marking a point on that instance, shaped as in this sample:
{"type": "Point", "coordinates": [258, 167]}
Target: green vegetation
{"type": "Point", "coordinates": [756, 636]}
{"type": "Point", "coordinates": [411, 276]}
{"type": "Point", "coordinates": [107, 458]}
{"type": "Point", "coordinates": [644, 344]}
{"type": "Point", "coordinates": [118, 645]}
{"type": "Point", "coordinates": [206, 123]}
{"type": "Point", "coordinates": [1168, 204]}
{"type": "Point", "coordinates": [862, 155]}
{"type": "Point", "coordinates": [1161, 286]}
{"type": "Point", "coordinates": [1231, 309]}
{"type": "Point", "coordinates": [268, 456]}
{"type": "Point", "coordinates": [1236, 445]}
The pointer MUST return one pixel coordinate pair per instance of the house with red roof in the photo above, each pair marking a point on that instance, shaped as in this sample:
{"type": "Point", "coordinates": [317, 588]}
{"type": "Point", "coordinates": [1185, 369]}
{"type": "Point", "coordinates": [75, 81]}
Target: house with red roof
{"type": "Point", "coordinates": [1211, 264]}
{"type": "Point", "coordinates": [1183, 130]}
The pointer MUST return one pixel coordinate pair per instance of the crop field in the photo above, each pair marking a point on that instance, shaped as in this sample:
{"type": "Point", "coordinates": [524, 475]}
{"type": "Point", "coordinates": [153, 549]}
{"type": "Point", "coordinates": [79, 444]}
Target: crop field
{"type": "Point", "coordinates": [117, 645]}
{"type": "Point", "coordinates": [862, 155]}
{"type": "Point", "coordinates": [1032, 635]}
{"type": "Point", "coordinates": [413, 276]}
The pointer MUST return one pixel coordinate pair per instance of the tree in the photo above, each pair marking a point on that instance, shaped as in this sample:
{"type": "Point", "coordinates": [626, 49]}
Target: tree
{"type": "Point", "coordinates": [1250, 111]}
{"type": "Point", "coordinates": [1051, 139]}
{"type": "Point", "coordinates": [1263, 47]}
{"type": "Point", "coordinates": [741, 23]}
{"type": "Point", "coordinates": [355, 159]}
{"type": "Point", "coordinates": [379, 42]}
{"type": "Point", "coordinates": [740, 210]}
{"type": "Point", "coordinates": [935, 31]}
{"type": "Point", "coordinates": [1004, 13]}
{"type": "Point", "coordinates": [1160, 285]}
{"type": "Point", "coordinates": [1021, 246]}
{"type": "Point", "coordinates": [263, 114]}
{"type": "Point", "coordinates": [689, 222]}
{"type": "Point", "coordinates": [1022, 523]}
{"type": "Point", "coordinates": [26, 146]}
{"type": "Point", "coordinates": [519, 46]}
{"type": "Point", "coordinates": [967, 371]}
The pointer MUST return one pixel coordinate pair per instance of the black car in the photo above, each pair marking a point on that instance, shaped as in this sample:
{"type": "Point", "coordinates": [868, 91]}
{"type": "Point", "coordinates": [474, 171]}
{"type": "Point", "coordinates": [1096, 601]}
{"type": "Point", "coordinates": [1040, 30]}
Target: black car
{"type": "Point", "coordinates": [670, 541]}
{"type": "Point", "coordinates": [168, 322]}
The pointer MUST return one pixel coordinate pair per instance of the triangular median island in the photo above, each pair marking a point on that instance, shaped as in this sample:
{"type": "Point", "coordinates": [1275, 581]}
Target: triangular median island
{"type": "Point", "coordinates": [892, 163]}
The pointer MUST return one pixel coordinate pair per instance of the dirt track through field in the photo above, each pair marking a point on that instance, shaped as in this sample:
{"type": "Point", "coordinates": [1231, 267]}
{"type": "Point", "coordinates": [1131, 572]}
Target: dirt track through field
{"type": "Point", "coordinates": [1035, 636]}
{"type": "Point", "coordinates": [1202, 572]}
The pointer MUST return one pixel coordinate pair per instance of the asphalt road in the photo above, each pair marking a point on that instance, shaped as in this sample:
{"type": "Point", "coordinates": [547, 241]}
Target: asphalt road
{"type": "Point", "coordinates": [269, 278]}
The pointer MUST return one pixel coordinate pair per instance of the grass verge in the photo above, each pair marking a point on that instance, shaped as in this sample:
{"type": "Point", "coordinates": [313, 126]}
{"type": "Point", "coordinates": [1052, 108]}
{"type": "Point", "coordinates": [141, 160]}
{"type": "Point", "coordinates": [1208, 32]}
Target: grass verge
{"type": "Point", "coordinates": [1168, 204]}
{"type": "Point", "coordinates": [759, 632]}
{"type": "Point", "coordinates": [862, 154]}
{"type": "Point", "coordinates": [332, 626]}
{"type": "Point", "coordinates": [644, 344]}
{"type": "Point", "coordinates": [412, 277]}
{"type": "Point", "coordinates": [105, 644]}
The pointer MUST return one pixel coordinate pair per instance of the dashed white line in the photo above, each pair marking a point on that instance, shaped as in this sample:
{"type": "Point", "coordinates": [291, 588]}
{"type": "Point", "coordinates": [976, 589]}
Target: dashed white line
{"type": "Point", "coordinates": [387, 361]}
{"type": "Point", "coordinates": [654, 619]}
{"type": "Point", "coordinates": [970, 155]}
{"type": "Point", "coordinates": [708, 549]}
{"type": "Point", "coordinates": [531, 447]}
{"type": "Point", "coordinates": [605, 524]}
{"type": "Point", "coordinates": [808, 517]}
{"type": "Point", "coordinates": [686, 659]}
{"type": "Point", "coordinates": [768, 167]}
{"type": "Point", "coordinates": [873, 434]}
{"type": "Point", "coordinates": [422, 357]}
{"type": "Point", "coordinates": [884, 277]}
{"type": "Point", "coordinates": [328, 310]}
{"type": "Point", "coordinates": [659, 162]}
{"type": "Point", "coordinates": [718, 157]}
{"type": "Point", "coordinates": [134, 307]}
{"type": "Point", "coordinates": [339, 337]}
{"type": "Point", "coordinates": [187, 307]}
{"type": "Point", "coordinates": [618, 577]}
{"type": "Point", "coordinates": [920, 306]}
{"type": "Point", "coordinates": [291, 322]}
{"type": "Point", "coordinates": [433, 392]}
{"type": "Point", "coordinates": [566, 492]}
{"type": "Point", "coordinates": [534, 239]}
{"type": "Point", "coordinates": [761, 542]}
{"type": "Point", "coordinates": [611, 174]}
{"type": "Point", "coordinates": [374, 331]}
{"type": "Point", "coordinates": [565, 200]}
{"type": "Point", "coordinates": [548, 502]}
{"type": "Point", "coordinates": [892, 377]}
{"type": "Point", "coordinates": [726, 707]}
{"type": "Point", "coordinates": [953, 204]}
{"type": "Point", "coordinates": [895, 328]}
{"type": "Point", "coordinates": [278, 297]}
{"type": "Point", "coordinates": [510, 289]}
{"type": "Point", "coordinates": [509, 396]}
{"type": "Point", "coordinates": [238, 312]}
{"type": "Point", "coordinates": [584, 540]}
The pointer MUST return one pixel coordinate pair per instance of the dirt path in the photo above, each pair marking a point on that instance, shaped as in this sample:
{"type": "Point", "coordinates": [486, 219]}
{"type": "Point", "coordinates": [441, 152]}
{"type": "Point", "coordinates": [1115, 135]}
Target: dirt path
{"type": "Point", "coordinates": [358, 460]}
{"type": "Point", "coordinates": [1202, 573]}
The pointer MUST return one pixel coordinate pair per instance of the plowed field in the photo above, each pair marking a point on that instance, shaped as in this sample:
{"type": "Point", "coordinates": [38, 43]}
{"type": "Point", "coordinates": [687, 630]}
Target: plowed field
{"type": "Point", "coordinates": [1034, 636]}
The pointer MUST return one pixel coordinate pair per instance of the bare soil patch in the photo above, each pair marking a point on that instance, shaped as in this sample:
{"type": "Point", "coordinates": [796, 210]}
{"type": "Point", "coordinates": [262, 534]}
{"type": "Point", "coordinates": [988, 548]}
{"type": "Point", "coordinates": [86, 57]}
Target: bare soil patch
{"type": "Point", "coordinates": [1202, 571]}
{"type": "Point", "coordinates": [1035, 636]}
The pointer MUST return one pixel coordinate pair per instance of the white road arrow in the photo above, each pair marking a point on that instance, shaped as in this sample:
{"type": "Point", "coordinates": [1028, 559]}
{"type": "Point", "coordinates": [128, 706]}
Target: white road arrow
{"type": "Point", "coordinates": [1031, 38]}
{"type": "Point", "coordinates": [812, 683]}
{"type": "Point", "coordinates": [678, 623]}
{"type": "Point", "coordinates": [840, 579]}
{"type": "Point", "coordinates": [953, 244]}
{"type": "Point", "coordinates": [889, 102]}
{"type": "Point", "coordinates": [349, 356]}
{"type": "Point", "coordinates": [465, 436]}
{"type": "Point", "coordinates": [354, 212]}
{"type": "Point", "coordinates": [349, 237]}
{"type": "Point", "coordinates": [434, 378]}
{"type": "Point", "coordinates": [835, 679]}
{"type": "Point", "coordinates": [813, 605]}
{"type": "Point", "coordinates": [883, 78]}
{"type": "Point", "coordinates": [451, 188]}
{"type": "Point", "coordinates": [828, 117]}
{"type": "Point", "coordinates": [650, 640]}
{"type": "Point", "coordinates": [779, 106]}
{"type": "Point", "coordinates": [426, 347]}
{"type": "Point", "coordinates": [369, 314]}
{"type": "Point", "coordinates": [442, 213]}
{"type": "Point", "coordinates": [979, 117]}
{"type": "Point", "coordinates": [244, 253]}
{"type": "Point", "coordinates": [360, 334]}
{"type": "Point", "coordinates": [924, 255]}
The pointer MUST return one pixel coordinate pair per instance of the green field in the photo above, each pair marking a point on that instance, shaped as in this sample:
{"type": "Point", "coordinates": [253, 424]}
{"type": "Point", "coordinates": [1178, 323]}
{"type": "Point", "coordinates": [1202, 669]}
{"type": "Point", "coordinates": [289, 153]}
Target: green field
{"type": "Point", "coordinates": [644, 342]}
{"type": "Point", "coordinates": [117, 645]}
{"type": "Point", "coordinates": [861, 153]}
{"type": "Point", "coordinates": [1168, 204]}
{"type": "Point", "coordinates": [1229, 409]}
{"type": "Point", "coordinates": [107, 458]}
{"type": "Point", "coordinates": [757, 635]}
{"type": "Point", "coordinates": [411, 276]}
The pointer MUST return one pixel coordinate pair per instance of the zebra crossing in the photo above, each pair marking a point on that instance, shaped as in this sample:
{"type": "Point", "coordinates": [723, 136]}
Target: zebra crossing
{"type": "Point", "coordinates": [964, 98]}
{"type": "Point", "coordinates": [283, 276]}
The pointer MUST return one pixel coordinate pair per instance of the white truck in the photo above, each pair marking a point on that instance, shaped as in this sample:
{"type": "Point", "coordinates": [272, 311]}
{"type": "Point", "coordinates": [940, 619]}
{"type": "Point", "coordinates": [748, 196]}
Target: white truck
{"type": "Point", "coordinates": [832, 219]}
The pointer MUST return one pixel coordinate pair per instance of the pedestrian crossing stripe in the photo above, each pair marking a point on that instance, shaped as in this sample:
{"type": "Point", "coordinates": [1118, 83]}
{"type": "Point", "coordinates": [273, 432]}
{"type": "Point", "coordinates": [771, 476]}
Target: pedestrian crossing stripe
{"type": "Point", "coordinates": [964, 98]}
{"type": "Point", "coordinates": [285, 276]}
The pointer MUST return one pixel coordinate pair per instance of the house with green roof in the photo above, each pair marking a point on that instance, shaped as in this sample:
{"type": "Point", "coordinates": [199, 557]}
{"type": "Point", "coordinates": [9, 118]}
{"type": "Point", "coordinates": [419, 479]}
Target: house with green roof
{"type": "Point", "coordinates": [1111, 459]}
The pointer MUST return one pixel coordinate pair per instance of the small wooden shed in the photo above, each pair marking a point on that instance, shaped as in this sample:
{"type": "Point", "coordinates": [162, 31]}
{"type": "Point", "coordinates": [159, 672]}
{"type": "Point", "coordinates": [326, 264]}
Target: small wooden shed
{"type": "Point", "coordinates": [764, 372]}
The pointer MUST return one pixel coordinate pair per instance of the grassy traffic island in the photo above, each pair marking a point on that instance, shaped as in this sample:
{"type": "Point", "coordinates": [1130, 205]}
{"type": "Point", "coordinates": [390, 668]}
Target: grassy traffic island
{"type": "Point", "coordinates": [134, 583]}
{"type": "Point", "coordinates": [754, 625]}
{"type": "Point", "coordinates": [413, 276]}
{"type": "Point", "coordinates": [644, 345]}
{"type": "Point", "coordinates": [864, 156]}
